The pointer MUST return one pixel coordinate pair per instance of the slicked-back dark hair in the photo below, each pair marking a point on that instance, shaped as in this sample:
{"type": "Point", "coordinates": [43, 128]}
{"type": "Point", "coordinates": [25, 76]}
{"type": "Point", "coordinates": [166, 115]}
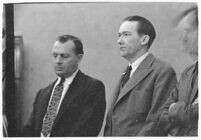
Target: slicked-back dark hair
{"type": "Point", "coordinates": [145, 27]}
{"type": "Point", "coordinates": [78, 43]}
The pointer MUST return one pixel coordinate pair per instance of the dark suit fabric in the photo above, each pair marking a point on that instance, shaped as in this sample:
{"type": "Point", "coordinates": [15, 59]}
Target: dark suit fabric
{"type": "Point", "coordinates": [80, 114]}
{"type": "Point", "coordinates": [182, 119]}
{"type": "Point", "coordinates": [134, 107]}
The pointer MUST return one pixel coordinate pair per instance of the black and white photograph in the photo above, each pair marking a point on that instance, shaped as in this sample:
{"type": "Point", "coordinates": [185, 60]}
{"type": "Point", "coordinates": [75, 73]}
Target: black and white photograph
{"type": "Point", "coordinates": [100, 69]}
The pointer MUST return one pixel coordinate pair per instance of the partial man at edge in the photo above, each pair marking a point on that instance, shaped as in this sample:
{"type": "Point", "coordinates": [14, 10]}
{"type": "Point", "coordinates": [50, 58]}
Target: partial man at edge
{"type": "Point", "coordinates": [180, 112]}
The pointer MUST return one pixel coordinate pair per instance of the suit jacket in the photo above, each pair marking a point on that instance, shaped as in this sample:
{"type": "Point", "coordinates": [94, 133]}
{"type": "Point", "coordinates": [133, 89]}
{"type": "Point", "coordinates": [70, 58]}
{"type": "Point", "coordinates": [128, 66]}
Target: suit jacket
{"type": "Point", "coordinates": [135, 106]}
{"type": "Point", "coordinates": [182, 118]}
{"type": "Point", "coordinates": [81, 112]}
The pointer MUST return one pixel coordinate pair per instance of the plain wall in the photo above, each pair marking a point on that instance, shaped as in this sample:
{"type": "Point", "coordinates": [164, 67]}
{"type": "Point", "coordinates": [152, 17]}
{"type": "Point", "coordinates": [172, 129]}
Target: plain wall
{"type": "Point", "coordinates": [97, 25]}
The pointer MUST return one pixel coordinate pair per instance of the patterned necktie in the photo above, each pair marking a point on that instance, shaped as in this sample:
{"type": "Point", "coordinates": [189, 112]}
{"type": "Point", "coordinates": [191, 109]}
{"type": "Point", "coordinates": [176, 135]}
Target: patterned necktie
{"type": "Point", "coordinates": [52, 109]}
{"type": "Point", "coordinates": [126, 76]}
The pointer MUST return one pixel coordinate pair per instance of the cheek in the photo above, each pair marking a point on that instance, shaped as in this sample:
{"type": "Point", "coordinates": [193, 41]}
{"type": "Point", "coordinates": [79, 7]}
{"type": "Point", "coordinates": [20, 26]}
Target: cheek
{"type": "Point", "coordinates": [129, 44]}
{"type": "Point", "coordinates": [70, 64]}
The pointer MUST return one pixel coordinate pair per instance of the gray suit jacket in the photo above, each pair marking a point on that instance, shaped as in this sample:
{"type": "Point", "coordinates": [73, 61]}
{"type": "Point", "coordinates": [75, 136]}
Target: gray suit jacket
{"type": "Point", "coordinates": [182, 119]}
{"type": "Point", "coordinates": [134, 107]}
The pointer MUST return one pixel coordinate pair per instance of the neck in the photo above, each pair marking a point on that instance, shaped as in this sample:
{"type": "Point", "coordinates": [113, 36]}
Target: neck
{"type": "Point", "coordinates": [139, 54]}
{"type": "Point", "coordinates": [69, 74]}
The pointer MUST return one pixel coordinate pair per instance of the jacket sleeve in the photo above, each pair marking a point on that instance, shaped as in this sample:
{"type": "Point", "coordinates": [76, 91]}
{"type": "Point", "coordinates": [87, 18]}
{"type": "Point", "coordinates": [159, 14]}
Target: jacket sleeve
{"type": "Point", "coordinates": [179, 115]}
{"type": "Point", "coordinates": [91, 119]}
{"type": "Point", "coordinates": [28, 129]}
{"type": "Point", "coordinates": [182, 114]}
{"type": "Point", "coordinates": [164, 83]}
{"type": "Point", "coordinates": [164, 122]}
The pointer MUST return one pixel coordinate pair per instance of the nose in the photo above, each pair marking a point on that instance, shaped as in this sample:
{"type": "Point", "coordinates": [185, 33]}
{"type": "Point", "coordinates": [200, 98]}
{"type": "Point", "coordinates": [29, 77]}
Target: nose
{"type": "Point", "coordinates": [120, 41]}
{"type": "Point", "coordinates": [58, 60]}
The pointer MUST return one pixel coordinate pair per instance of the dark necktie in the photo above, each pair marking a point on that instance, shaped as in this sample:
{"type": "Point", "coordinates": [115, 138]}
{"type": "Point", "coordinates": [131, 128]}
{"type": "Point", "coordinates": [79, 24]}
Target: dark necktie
{"type": "Point", "coordinates": [195, 77]}
{"type": "Point", "coordinates": [52, 109]}
{"type": "Point", "coordinates": [126, 76]}
{"type": "Point", "coordinates": [195, 74]}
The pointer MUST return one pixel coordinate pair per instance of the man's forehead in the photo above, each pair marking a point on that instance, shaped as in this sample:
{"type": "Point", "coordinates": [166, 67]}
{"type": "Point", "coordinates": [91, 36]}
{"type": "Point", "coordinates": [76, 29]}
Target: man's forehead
{"type": "Point", "coordinates": [63, 47]}
{"type": "Point", "coordinates": [128, 26]}
{"type": "Point", "coordinates": [68, 43]}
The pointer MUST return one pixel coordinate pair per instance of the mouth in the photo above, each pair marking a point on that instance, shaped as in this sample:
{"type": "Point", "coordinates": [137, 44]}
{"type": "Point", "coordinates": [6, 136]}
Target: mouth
{"type": "Point", "coordinates": [58, 68]}
{"type": "Point", "coordinates": [122, 48]}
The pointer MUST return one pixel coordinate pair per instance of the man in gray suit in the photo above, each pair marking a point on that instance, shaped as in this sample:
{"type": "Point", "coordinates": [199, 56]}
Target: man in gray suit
{"type": "Point", "coordinates": [145, 85]}
{"type": "Point", "coordinates": [180, 112]}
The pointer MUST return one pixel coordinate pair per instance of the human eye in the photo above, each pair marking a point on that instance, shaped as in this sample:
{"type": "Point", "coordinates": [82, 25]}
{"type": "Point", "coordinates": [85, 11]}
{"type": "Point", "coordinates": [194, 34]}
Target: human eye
{"type": "Point", "coordinates": [125, 34]}
{"type": "Point", "coordinates": [64, 55]}
{"type": "Point", "coordinates": [54, 55]}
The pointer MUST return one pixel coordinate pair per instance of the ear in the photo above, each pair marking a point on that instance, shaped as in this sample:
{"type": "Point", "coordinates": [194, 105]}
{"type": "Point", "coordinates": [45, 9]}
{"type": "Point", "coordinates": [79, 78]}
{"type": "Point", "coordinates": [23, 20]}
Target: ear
{"type": "Point", "coordinates": [145, 40]}
{"type": "Point", "coordinates": [79, 56]}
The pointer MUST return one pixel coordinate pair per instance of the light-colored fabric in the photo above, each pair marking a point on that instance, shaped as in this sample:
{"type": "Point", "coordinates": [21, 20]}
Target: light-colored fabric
{"type": "Point", "coordinates": [171, 106]}
{"type": "Point", "coordinates": [135, 64]}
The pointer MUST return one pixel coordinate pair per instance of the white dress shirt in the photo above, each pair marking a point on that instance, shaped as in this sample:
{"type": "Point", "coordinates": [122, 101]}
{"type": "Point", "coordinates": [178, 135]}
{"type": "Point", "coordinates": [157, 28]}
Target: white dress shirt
{"type": "Point", "coordinates": [66, 85]}
{"type": "Point", "coordinates": [136, 64]}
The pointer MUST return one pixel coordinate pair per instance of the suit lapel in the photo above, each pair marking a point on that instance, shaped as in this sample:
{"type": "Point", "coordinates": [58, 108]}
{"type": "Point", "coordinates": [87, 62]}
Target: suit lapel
{"type": "Point", "coordinates": [141, 72]}
{"type": "Point", "coordinates": [43, 102]}
{"type": "Point", "coordinates": [195, 86]}
{"type": "Point", "coordinates": [75, 89]}
{"type": "Point", "coordinates": [115, 96]}
{"type": "Point", "coordinates": [194, 91]}
{"type": "Point", "coordinates": [186, 90]}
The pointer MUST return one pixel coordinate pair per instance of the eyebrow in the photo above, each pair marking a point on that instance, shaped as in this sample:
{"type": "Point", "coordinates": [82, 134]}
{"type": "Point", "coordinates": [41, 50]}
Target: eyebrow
{"type": "Point", "coordinates": [124, 32]}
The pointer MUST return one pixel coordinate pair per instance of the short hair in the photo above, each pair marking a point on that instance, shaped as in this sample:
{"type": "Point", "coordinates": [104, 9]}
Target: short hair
{"type": "Point", "coordinates": [145, 27]}
{"type": "Point", "coordinates": [78, 43]}
{"type": "Point", "coordinates": [185, 13]}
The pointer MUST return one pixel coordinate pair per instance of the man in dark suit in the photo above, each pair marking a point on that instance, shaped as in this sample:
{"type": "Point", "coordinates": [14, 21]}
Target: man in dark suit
{"type": "Point", "coordinates": [180, 112]}
{"type": "Point", "coordinates": [136, 102]}
{"type": "Point", "coordinates": [74, 104]}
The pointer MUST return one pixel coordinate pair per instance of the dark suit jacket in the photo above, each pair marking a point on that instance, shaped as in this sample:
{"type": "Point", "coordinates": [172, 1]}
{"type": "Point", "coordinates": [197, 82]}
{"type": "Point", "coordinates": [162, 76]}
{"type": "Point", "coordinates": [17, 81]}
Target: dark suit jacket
{"type": "Point", "coordinates": [81, 112]}
{"type": "Point", "coordinates": [182, 119]}
{"type": "Point", "coordinates": [135, 106]}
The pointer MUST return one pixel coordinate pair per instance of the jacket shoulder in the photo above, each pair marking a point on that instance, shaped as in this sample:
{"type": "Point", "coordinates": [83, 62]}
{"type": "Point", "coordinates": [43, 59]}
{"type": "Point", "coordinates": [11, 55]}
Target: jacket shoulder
{"type": "Point", "coordinates": [92, 80]}
{"type": "Point", "coordinates": [162, 65]}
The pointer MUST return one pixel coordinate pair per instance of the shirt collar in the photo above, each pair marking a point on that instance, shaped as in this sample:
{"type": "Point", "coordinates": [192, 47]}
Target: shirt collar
{"type": "Point", "coordinates": [69, 79]}
{"type": "Point", "coordinates": [139, 60]}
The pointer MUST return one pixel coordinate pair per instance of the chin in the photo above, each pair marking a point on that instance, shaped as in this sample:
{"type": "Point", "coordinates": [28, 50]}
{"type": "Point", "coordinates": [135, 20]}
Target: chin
{"type": "Point", "coordinates": [123, 54]}
{"type": "Point", "coordinates": [60, 74]}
